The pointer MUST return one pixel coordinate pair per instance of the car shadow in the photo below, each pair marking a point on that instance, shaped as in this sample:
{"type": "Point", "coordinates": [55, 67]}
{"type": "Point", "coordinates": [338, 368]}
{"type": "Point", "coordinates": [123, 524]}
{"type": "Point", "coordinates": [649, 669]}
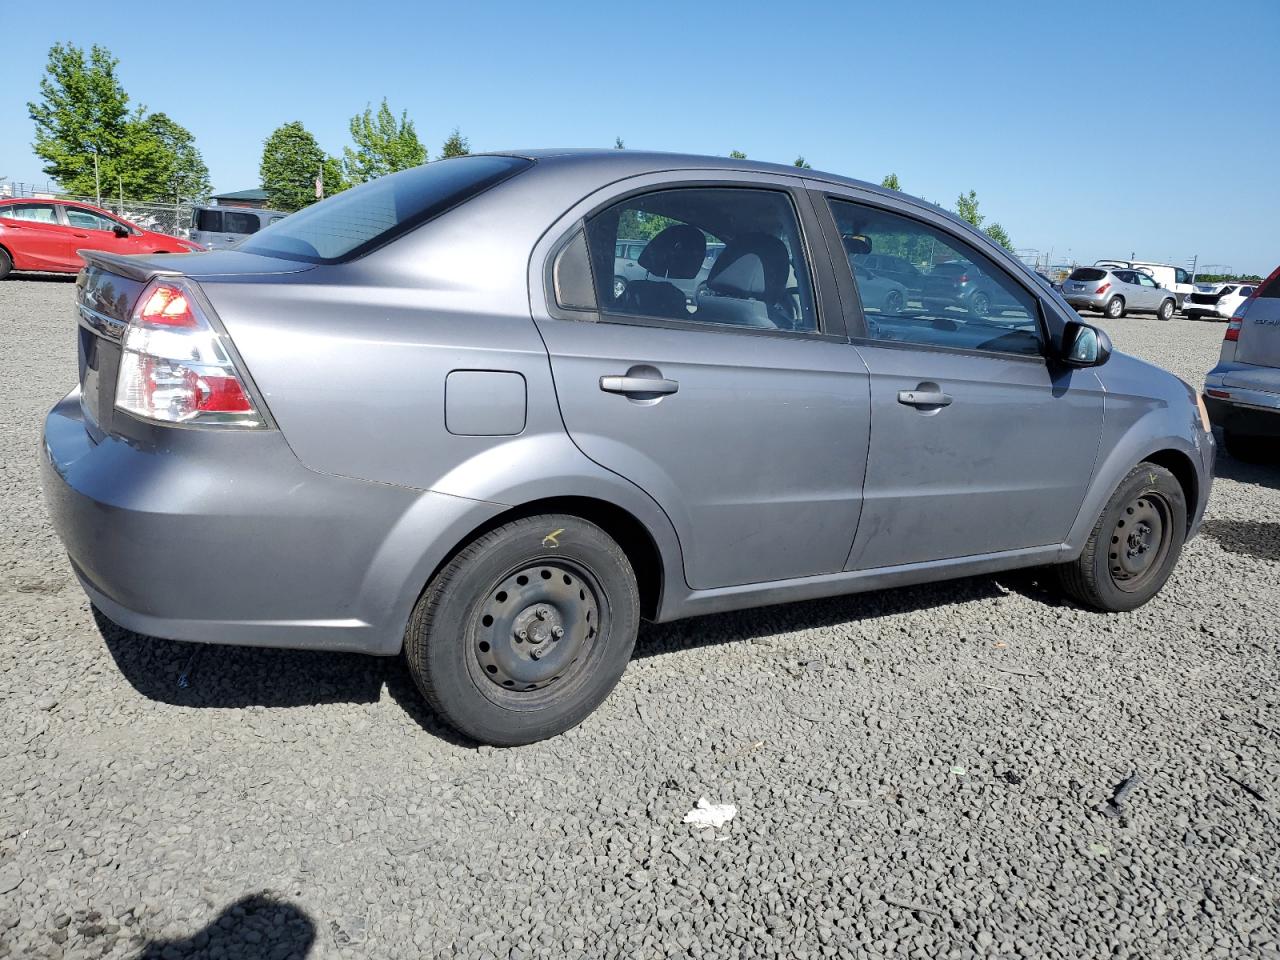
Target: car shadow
{"type": "Point", "coordinates": [207, 675]}
{"type": "Point", "coordinates": [762, 622]}
{"type": "Point", "coordinates": [1248, 538]}
{"type": "Point", "coordinates": [1228, 467]}
{"type": "Point", "coordinates": [254, 926]}
{"type": "Point", "coordinates": [48, 277]}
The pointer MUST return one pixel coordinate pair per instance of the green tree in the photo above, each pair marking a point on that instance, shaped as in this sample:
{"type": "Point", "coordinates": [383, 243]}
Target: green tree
{"type": "Point", "coordinates": [291, 162]}
{"type": "Point", "coordinates": [618, 144]}
{"type": "Point", "coordinates": [890, 182]}
{"type": "Point", "coordinates": [967, 208]}
{"type": "Point", "coordinates": [161, 161]}
{"type": "Point", "coordinates": [82, 110]}
{"type": "Point", "coordinates": [802, 163]}
{"type": "Point", "coordinates": [737, 155]}
{"type": "Point", "coordinates": [383, 145]}
{"type": "Point", "coordinates": [998, 234]}
{"type": "Point", "coordinates": [456, 146]}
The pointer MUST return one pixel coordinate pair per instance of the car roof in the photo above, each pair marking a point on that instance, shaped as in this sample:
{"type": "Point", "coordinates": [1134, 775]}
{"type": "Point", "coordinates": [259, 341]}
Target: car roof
{"type": "Point", "coordinates": [59, 202]}
{"type": "Point", "coordinates": [628, 162]}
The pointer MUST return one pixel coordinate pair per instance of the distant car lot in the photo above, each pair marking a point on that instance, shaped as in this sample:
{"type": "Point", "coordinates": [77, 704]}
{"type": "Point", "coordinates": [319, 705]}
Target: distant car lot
{"type": "Point", "coordinates": [922, 769]}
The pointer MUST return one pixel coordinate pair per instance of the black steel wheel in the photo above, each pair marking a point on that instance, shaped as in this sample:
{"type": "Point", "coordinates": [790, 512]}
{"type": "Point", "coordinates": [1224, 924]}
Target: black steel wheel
{"type": "Point", "coordinates": [1133, 546]}
{"type": "Point", "coordinates": [526, 630]}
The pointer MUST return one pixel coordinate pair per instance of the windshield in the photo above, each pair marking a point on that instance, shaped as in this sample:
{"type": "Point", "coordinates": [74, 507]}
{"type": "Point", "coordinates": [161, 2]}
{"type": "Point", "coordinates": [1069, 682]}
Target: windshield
{"type": "Point", "coordinates": [358, 220]}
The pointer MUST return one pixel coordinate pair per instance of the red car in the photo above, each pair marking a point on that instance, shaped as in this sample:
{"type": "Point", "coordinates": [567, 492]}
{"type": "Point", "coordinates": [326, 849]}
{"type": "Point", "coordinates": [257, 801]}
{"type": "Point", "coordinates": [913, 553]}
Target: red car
{"type": "Point", "coordinates": [45, 235]}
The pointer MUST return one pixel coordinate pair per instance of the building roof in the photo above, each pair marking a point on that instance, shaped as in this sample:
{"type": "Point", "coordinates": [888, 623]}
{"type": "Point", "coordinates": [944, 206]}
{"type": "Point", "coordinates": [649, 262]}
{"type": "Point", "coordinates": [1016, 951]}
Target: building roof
{"type": "Point", "coordinates": [242, 195]}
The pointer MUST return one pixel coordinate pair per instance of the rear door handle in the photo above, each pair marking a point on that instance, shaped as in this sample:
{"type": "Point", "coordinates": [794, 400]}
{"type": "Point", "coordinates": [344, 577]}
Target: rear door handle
{"type": "Point", "coordinates": [629, 385]}
{"type": "Point", "coordinates": [924, 398]}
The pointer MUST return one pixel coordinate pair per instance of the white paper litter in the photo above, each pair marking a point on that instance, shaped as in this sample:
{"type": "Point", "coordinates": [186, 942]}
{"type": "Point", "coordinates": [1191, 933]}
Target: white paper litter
{"type": "Point", "coordinates": [708, 814]}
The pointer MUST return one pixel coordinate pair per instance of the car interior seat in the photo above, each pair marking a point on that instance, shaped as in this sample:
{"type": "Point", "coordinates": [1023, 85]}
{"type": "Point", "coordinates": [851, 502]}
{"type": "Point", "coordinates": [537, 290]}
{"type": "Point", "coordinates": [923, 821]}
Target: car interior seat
{"type": "Point", "coordinates": [674, 254]}
{"type": "Point", "coordinates": [747, 286]}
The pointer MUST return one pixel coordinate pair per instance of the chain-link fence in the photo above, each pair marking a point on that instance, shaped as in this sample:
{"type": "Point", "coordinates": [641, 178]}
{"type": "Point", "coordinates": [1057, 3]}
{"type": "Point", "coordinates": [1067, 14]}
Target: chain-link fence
{"type": "Point", "coordinates": [172, 218]}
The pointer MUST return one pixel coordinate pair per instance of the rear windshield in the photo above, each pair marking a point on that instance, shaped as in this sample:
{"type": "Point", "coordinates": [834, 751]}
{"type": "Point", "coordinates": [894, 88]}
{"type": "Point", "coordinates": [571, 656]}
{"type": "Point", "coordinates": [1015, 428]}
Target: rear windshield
{"type": "Point", "coordinates": [358, 220]}
{"type": "Point", "coordinates": [1087, 273]}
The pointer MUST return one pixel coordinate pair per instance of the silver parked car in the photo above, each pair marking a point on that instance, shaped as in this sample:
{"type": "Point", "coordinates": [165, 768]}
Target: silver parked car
{"type": "Point", "coordinates": [416, 418]}
{"type": "Point", "coordinates": [1116, 291]}
{"type": "Point", "coordinates": [1243, 391]}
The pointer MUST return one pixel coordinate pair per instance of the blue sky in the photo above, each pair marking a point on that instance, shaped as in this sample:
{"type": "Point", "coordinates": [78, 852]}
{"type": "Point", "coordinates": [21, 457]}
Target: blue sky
{"type": "Point", "coordinates": [1085, 130]}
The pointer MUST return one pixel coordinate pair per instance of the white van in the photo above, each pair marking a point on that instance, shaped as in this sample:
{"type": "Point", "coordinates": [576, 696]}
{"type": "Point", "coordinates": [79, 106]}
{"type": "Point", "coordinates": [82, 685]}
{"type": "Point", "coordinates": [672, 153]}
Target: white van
{"type": "Point", "coordinates": [1170, 277]}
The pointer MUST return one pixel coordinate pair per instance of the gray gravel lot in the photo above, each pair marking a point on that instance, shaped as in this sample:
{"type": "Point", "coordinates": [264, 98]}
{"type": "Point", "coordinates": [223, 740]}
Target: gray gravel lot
{"type": "Point", "coordinates": [923, 772]}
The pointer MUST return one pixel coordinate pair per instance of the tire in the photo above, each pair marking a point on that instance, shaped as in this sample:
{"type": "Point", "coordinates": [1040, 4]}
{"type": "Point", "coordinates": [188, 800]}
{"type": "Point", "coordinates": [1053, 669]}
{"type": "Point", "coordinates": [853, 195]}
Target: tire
{"type": "Point", "coordinates": [893, 302]}
{"type": "Point", "coordinates": [1115, 308]}
{"type": "Point", "coordinates": [1134, 545]}
{"type": "Point", "coordinates": [1250, 448]}
{"type": "Point", "coordinates": [619, 287]}
{"type": "Point", "coordinates": [6, 263]}
{"type": "Point", "coordinates": [1166, 311]}
{"type": "Point", "coordinates": [980, 304]}
{"type": "Point", "coordinates": [474, 638]}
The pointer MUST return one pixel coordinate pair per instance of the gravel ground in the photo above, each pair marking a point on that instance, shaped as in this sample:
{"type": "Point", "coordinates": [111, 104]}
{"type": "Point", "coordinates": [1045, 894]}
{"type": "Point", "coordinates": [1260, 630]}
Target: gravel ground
{"type": "Point", "coordinates": [924, 772]}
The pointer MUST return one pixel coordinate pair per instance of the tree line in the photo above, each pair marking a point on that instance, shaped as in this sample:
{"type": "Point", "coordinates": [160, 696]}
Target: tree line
{"type": "Point", "coordinates": [94, 144]}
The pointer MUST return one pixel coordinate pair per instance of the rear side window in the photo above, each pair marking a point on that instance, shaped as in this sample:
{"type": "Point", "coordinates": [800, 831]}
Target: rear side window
{"type": "Point", "coordinates": [365, 217]}
{"type": "Point", "coordinates": [758, 279]}
{"type": "Point", "coordinates": [35, 212]}
{"type": "Point", "coordinates": [209, 220]}
{"type": "Point", "coordinates": [235, 221]}
{"type": "Point", "coordinates": [1087, 274]}
{"type": "Point", "coordinates": [961, 299]}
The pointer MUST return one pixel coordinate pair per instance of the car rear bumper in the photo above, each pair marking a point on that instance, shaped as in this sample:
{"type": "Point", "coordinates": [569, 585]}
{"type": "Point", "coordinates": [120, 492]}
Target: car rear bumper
{"type": "Point", "coordinates": [1198, 310]}
{"type": "Point", "coordinates": [1086, 301]}
{"type": "Point", "coordinates": [224, 537]}
{"type": "Point", "coordinates": [1246, 411]}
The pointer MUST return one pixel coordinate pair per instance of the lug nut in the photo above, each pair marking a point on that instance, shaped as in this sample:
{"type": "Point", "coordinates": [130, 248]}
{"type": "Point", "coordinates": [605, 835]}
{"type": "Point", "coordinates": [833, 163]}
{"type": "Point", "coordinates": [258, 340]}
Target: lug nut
{"type": "Point", "coordinates": [542, 613]}
{"type": "Point", "coordinates": [557, 632]}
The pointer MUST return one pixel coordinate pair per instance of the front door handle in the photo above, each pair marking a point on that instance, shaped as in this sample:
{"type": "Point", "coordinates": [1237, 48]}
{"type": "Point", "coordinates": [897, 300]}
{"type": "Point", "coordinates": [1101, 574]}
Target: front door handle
{"type": "Point", "coordinates": [656, 386]}
{"type": "Point", "coordinates": [924, 398]}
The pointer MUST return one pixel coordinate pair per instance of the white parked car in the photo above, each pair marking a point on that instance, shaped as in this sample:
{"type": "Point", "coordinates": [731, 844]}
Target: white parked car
{"type": "Point", "coordinates": [1216, 301]}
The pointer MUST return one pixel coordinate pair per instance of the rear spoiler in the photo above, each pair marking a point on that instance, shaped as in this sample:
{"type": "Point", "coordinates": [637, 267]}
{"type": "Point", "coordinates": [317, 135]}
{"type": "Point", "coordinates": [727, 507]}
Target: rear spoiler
{"type": "Point", "coordinates": [133, 267]}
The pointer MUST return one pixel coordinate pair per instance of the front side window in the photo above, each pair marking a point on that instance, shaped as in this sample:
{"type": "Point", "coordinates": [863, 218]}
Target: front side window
{"type": "Point", "coordinates": [1145, 280]}
{"type": "Point", "coordinates": [88, 220]}
{"type": "Point", "coordinates": [953, 297]}
{"type": "Point", "coordinates": [34, 212]}
{"type": "Point", "coordinates": [719, 255]}
{"type": "Point", "coordinates": [1181, 276]}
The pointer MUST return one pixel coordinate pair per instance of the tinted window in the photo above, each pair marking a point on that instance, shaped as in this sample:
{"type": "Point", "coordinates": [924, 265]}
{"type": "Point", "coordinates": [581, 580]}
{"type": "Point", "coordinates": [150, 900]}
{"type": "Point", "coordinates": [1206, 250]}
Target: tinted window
{"type": "Point", "coordinates": [236, 221]}
{"type": "Point", "coordinates": [1088, 274]}
{"type": "Point", "coordinates": [364, 217]}
{"type": "Point", "coordinates": [1271, 287]}
{"type": "Point", "coordinates": [963, 299]}
{"type": "Point", "coordinates": [1246, 291]}
{"type": "Point", "coordinates": [88, 220]}
{"type": "Point", "coordinates": [210, 220]}
{"type": "Point", "coordinates": [759, 278]}
{"type": "Point", "coordinates": [37, 212]}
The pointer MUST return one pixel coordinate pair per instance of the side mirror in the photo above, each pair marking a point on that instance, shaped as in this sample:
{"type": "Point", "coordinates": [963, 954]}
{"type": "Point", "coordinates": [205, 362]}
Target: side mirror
{"type": "Point", "coordinates": [1084, 345]}
{"type": "Point", "coordinates": [120, 231]}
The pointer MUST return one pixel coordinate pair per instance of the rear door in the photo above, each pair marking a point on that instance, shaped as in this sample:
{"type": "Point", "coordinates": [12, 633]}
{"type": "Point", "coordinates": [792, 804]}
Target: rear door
{"type": "Point", "coordinates": [745, 413]}
{"type": "Point", "coordinates": [979, 444]}
{"type": "Point", "coordinates": [38, 237]}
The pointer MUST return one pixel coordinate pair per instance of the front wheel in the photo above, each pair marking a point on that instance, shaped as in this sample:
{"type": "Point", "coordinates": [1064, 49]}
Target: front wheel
{"type": "Point", "coordinates": [619, 287]}
{"type": "Point", "coordinates": [1115, 308]}
{"type": "Point", "coordinates": [526, 631]}
{"type": "Point", "coordinates": [1166, 310]}
{"type": "Point", "coordinates": [1133, 546]}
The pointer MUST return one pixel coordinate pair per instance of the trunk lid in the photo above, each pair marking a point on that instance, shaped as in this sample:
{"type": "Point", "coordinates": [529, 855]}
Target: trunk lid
{"type": "Point", "coordinates": [107, 290]}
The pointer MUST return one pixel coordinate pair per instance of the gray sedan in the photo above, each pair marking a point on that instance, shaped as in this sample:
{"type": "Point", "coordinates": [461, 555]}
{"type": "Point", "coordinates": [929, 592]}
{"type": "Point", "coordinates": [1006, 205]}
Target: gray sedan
{"type": "Point", "coordinates": [417, 419]}
{"type": "Point", "coordinates": [1116, 292]}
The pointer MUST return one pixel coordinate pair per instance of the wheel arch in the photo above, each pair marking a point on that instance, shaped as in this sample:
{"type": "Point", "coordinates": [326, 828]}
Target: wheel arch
{"type": "Point", "coordinates": [1184, 471]}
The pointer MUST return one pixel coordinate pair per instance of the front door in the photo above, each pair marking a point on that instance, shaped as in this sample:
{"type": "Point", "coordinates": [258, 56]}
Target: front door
{"type": "Point", "coordinates": [91, 230]}
{"type": "Point", "coordinates": [978, 444]}
{"type": "Point", "coordinates": [733, 409]}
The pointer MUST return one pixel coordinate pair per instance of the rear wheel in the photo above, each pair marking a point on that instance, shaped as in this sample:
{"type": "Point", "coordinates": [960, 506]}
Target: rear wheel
{"type": "Point", "coordinates": [1166, 310]}
{"type": "Point", "coordinates": [893, 302]}
{"type": "Point", "coordinates": [526, 631]}
{"type": "Point", "coordinates": [6, 263]}
{"type": "Point", "coordinates": [1133, 546]}
{"type": "Point", "coordinates": [619, 287]}
{"type": "Point", "coordinates": [1115, 308]}
{"type": "Point", "coordinates": [980, 305]}
{"type": "Point", "coordinates": [1249, 447]}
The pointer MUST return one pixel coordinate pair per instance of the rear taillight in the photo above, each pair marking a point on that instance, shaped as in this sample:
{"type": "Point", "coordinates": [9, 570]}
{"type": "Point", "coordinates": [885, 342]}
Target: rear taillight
{"type": "Point", "coordinates": [176, 368]}
{"type": "Point", "coordinates": [1233, 329]}
{"type": "Point", "coordinates": [963, 278]}
{"type": "Point", "coordinates": [1103, 289]}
